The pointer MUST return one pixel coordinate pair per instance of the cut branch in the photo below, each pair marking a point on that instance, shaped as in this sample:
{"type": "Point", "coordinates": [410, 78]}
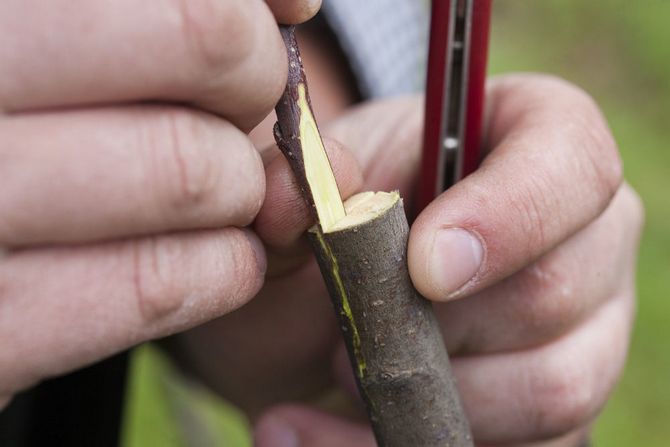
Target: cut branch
{"type": "Point", "coordinates": [392, 336]}
{"type": "Point", "coordinates": [297, 136]}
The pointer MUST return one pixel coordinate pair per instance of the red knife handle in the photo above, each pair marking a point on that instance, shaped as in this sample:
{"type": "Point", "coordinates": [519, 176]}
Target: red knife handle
{"type": "Point", "coordinates": [435, 91]}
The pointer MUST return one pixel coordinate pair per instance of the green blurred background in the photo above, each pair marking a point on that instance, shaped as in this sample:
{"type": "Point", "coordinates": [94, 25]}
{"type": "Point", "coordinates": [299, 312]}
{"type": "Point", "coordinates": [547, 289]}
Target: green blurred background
{"type": "Point", "coordinates": [619, 51]}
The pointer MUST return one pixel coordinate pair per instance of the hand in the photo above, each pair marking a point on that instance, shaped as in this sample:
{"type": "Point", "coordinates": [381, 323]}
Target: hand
{"type": "Point", "coordinates": [536, 305]}
{"type": "Point", "coordinates": [530, 262]}
{"type": "Point", "coordinates": [126, 176]}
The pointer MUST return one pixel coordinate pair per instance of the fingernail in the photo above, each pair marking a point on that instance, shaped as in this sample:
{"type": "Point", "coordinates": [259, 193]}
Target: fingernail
{"type": "Point", "coordinates": [456, 257]}
{"type": "Point", "coordinates": [275, 432]}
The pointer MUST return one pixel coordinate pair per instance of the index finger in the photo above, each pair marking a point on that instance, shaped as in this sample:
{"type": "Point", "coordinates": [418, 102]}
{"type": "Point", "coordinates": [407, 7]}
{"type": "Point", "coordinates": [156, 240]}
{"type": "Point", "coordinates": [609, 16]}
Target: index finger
{"type": "Point", "coordinates": [553, 169]}
{"type": "Point", "coordinates": [225, 56]}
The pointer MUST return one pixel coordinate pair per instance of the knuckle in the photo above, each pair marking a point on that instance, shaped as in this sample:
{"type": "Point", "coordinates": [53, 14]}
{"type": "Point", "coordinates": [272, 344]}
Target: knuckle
{"type": "Point", "coordinates": [546, 303]}
{"type": "Point", "coordinates": [602, 163]}
{"type": "Point", "coordinates": [531, 92]}
{"type": "Point", "coordinates": [199, 167]}
{"type": "Point", "coordinates": [156, 285]}
{"type": "Point", "coordinates": [546, 85]}
{"type": "Point", "coordinates": [187, 279]}
{"type": "Point", "coordinates": [561, 398]}
{"type": "Point", "coordinates": [596, 155]}
{"type": "Point", "coordinates": [186, 175]}
{"type": "Point", "coordinates": [216, 32]}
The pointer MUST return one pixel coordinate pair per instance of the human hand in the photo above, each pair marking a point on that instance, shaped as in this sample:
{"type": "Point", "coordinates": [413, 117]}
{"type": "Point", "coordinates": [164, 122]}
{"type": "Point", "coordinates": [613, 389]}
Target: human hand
{"type": "Point", "coordinates": [537, 320]}
{"type": "Point", "coordinates": [530, 262]}
{"type": "Point", "coordinates": [126, 176]}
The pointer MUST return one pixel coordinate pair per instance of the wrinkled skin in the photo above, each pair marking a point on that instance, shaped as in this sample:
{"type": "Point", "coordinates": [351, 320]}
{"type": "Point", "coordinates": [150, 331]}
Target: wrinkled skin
{"type": "Point", "coordinates": [123, 220]}
{"type": "Point", "coordinates": [127, 179]}
{"type": "Point", "coordinates": [538, 333]}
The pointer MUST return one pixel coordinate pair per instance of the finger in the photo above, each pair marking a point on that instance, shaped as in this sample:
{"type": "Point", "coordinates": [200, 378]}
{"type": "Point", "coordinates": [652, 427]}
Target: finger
{"type": "Point", "coordinates": [87, 302]}
{"type": "Point", "coordinates": [284, 216]}
{"type": "Point", "coordinates": [553, 169]}
{"type": "Point", "coordinates": [546, 392]}
{"type": "Point", "coordinates": [292, 12]}
{"type": "Point", "coordinates": [226, 56]}
{"type": "Point", "coordinates": [576, 438]}
{"type": "Point", "coordinates": [297, 425]}
{"type": "Point", "coordinates": [294, 425]}
{"type": "Point", "coordinates": [553, 295]}
{"type": "Point", "coordinates": [283, 316]}
{"type": "Point", "coordinates": [542, 393]}
{"type": "Point", "coordinates": [385, 137]}
{"type": "Point", "coordinates": [82, 175]}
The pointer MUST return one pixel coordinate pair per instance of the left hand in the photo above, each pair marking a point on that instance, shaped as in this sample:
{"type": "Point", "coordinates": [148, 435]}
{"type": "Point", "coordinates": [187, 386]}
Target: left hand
{"type": "Point", "coordinates": [126, 174]}
{"type": "Point", "coordinates": [534, 290]}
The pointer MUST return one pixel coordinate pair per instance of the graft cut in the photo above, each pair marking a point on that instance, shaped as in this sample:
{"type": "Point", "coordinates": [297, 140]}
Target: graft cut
{"type": "Point", "coordinates": [392, 336]}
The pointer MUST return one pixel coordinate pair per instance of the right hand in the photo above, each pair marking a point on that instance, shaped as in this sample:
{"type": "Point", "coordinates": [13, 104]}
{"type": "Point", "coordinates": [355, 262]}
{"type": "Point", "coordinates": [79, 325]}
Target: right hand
{"type": "Point", "coordinates": [126, 175]}
{"type": "Point", "coordinates": [538, 339]}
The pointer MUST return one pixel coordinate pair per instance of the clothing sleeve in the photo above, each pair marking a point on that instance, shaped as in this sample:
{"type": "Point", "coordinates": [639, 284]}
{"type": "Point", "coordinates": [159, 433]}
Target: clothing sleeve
{"type": "Point", "coordinates": [385, 42]}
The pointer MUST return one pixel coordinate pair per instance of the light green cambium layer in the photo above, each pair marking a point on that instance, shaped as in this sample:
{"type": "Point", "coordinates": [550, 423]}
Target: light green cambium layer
{"type": "Point", "coordinates": [346, 308]}
{"type": "Point", "coordinates": [332, 214]}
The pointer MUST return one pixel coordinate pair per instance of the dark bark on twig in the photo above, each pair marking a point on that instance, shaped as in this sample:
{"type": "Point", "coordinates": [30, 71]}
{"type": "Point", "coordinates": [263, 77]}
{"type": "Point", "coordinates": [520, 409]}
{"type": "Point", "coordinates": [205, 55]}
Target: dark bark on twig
{"type": "Point", "coordinates": [392, 336]}
{"type": "Point", "coordinates": [287, 128]}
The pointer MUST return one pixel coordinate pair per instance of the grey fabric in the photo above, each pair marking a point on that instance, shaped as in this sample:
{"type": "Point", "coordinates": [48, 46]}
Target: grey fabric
{"type": "Point", "coordinates": [385, 41]}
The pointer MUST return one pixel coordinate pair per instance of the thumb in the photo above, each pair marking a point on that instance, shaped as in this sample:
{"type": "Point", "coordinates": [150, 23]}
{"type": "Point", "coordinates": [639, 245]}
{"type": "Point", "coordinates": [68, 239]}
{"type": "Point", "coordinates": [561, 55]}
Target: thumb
{"type": "Point", "coordinates": [298, 426]}
{"type": "Point", "coordinates": [554, 168]}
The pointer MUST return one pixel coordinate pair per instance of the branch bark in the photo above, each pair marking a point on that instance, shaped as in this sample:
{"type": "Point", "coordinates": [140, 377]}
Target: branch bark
{"type": "Point", "coordinates": [392, 336]}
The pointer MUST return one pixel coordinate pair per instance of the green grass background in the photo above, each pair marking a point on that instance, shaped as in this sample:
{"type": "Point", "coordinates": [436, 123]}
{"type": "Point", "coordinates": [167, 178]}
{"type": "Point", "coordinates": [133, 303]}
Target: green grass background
{"type": "Point", "coordinates": [619, 51]}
